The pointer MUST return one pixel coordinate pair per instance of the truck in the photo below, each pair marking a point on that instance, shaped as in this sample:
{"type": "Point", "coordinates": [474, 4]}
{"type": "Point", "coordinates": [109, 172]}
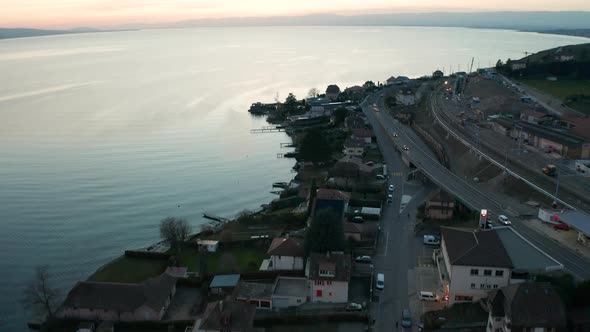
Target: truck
{"type": "Point", "coordinates": [550, 170]}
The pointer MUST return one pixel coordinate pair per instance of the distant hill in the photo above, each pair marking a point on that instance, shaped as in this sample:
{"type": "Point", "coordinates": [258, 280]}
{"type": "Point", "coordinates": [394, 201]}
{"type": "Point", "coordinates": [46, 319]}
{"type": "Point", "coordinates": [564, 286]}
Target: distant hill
{"type": "Point", "coordinates": [23, 32]}
{"type": "Point", "coordinates": [530, 21]}
{"type": "Point", "coordinates": [569, 32]}
{"type": "Point", "coordinates": [579, 52]}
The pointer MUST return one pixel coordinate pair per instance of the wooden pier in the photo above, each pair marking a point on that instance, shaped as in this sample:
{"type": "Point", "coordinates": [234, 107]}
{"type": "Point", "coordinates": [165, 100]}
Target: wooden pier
{"type": "Point", "coordinates": [268, 129]}
{"type": "Point", "coordinates": [215, 217]}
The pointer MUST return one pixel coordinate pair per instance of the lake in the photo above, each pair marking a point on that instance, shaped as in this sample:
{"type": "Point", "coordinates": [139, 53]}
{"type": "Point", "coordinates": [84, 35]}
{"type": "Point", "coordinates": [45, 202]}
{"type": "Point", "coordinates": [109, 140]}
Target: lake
{"type": "Point", "coordinates": [104, 134]}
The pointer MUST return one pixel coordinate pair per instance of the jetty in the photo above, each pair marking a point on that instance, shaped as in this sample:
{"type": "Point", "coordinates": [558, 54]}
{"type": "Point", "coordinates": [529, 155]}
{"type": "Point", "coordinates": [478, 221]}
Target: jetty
{"type": "Point", "coordinates": [268, 129]}
{"type": "Point", "coordinates": [215, 217]}
{"type": "Point", "coordinates": [280, 185]}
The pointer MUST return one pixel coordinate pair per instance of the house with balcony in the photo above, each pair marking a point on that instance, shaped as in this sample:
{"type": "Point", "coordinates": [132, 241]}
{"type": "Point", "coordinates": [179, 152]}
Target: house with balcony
{"type": "Point", "coordinates": [529, 306]}
{"type": "Point", "coordinates": [475, 262]}
{"type": "Point", "coordinates": [286, 254]}
{"type": "Point", "coordinates": [328, 275]}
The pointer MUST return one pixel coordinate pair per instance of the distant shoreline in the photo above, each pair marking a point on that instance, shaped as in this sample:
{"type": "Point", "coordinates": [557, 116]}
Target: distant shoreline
{"type": "Point", "coordinates": [14, 33]}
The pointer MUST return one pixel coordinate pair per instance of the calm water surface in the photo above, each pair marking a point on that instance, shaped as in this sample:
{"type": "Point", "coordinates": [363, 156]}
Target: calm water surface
{"type": "Point", "coordinates": [102, 135]}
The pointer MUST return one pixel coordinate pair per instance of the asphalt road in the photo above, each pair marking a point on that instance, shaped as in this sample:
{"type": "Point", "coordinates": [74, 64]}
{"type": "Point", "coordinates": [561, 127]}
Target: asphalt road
{"type": "Point", "coordinates": [384, 125]}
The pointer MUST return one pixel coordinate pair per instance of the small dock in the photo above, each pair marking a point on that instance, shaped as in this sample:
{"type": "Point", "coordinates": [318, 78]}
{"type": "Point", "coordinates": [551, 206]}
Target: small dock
{"type": "Point", "coordinates": [215, 217]}
{"type": "Point", "coordinates": [268, 129]}
{"type": "Point", "coordinates": [282, 185]}
{"type": "Point", "coordinates": [287, 145]}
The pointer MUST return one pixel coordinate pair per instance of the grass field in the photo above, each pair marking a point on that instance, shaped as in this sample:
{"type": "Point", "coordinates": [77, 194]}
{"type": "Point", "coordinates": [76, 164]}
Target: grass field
{"type": "Point", "coordinates": [564, 89]}
{"type": "Point", "coordinates": [236, 259]}
{"type": "Point", "coordinates": [130, 270]}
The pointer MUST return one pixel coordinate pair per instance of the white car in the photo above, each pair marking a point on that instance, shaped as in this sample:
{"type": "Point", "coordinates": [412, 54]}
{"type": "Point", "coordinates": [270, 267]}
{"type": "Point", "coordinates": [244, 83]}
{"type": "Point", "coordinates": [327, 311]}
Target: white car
{"type": "Point", "coordinates": [363, 259]}
{"type": "Point", "coordinates": [502, 219]}
{"type": "Point", "coordinates": [405, 147]}
{"type": "Point", "coordinates": [391, 188]}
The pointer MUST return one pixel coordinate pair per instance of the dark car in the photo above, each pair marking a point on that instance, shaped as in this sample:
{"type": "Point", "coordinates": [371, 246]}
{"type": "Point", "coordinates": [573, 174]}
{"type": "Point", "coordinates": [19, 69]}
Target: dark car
{"type": "Point", "coordinates": [406, 318]}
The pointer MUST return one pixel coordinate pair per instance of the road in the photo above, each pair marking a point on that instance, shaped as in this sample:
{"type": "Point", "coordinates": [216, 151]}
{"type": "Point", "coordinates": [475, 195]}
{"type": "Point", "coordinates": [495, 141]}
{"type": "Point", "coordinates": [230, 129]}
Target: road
{"type": "Point", "coordinates": [475, 198]}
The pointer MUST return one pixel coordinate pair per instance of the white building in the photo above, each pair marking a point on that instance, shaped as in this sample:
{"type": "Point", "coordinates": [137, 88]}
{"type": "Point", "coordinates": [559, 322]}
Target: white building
{"type": "Point", "coordinates": [354, 147]}
{"type": "Point", "coordinates": [477, 262]}
{"type": "Point", "coordinates": [406, 97]}
{"type": "Point", "coordinates": [328, 276]}
{"type": "Point", "coordinates": [285, 254]}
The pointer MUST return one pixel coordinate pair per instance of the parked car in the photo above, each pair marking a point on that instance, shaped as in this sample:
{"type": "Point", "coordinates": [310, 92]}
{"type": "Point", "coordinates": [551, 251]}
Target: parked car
{"type": "Point", "coordinates": [406, 318]}
{"type": "Point", "coordinates": [380, 177]}
{"type": "Point", "coordinates": [389, 197]}
{"type": "Point", "coordinates": [369, 163]}
{"type": "Point", "coordinates": [561, 226]}
{"type": "Point", "coordinates": [431, 240]}
{"type": "Point", "coordinates": [391, 188]}
{"type": "Point", "coordinates": [394, 134]}
{"type": "Point", "coordinates": [380, 284]}
{"type": "Point", "coordinates": [405, 147]}
{"type": "Point", "coordinates": [427, 296]}
{"type": "Point", "coordinates": [502, 219]}
{"type": "Point", "coordinates": [363, 259]}
{"type": "Point", "coordinates": [354, 307]}
{"type": "Point", "coordinates": [358, 219]}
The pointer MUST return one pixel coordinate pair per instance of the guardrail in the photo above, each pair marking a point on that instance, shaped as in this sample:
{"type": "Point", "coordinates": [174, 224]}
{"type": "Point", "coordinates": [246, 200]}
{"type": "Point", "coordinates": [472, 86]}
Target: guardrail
{"type": "Point", "coordinates": [492, 160]}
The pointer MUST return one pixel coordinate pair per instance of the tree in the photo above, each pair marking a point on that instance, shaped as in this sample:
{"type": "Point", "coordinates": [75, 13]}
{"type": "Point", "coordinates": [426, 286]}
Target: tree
{"type": "Point", "coordinates": [339, 115]}
{"type": "Point", "coordinates": [326, 233]}
{"type": "Point", "coordinates": [312, 194]}
{"type": "Point", "coordinates": [291, 105]}
{"type": "Point", "coordinates": [368, 85]}
{"type": "Point", "coordinates": [314, 147]}
{"type": "Point", "coordinates": [40, 295]}
{"type": "Point", "coordinates": [582, 294]}
{"type": "Point", "coordinates": [499, 64]}
{"type": "Point", "coordinates": [175, 231]}
{"type": "Point", "coordinates": [313, 93]}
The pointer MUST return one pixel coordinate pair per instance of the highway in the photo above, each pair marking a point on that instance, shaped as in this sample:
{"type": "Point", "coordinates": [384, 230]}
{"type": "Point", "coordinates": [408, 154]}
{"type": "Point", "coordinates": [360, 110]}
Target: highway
{"type": "Point", "coordinates": [384, 125]}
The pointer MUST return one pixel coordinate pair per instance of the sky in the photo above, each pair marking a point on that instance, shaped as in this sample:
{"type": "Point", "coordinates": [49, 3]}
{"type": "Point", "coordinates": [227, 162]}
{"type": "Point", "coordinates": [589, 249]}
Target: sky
{"type": "Point", "coordinates": [58, 14]}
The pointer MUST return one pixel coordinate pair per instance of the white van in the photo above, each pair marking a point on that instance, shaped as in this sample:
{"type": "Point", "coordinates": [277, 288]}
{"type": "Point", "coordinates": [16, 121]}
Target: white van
{"type": "Point", "coordinates": [380, 280]}
{"type": "Point", "coordinates": [431, 240]}
{"type": "Point", "coordinates": [427, 296]}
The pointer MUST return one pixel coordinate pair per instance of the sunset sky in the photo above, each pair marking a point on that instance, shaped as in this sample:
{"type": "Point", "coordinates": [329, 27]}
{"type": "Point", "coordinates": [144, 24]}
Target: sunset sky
{"type": "Point", "coordinates": [106, 13]}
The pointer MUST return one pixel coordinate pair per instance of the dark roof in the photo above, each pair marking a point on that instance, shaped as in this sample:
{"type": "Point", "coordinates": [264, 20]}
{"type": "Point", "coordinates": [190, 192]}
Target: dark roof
{"type": "Point", "coordinates": [254, 291]}
{"type": "Point", "coordinates": [333, 194]}
{"type": "Point", "coordinates": [506, 123]}
{"type": "Point", "coordinates": [121, 297]}
{"type": "Point", "coordinates": [475, 248]}
{"type": "Point", "coordinates": [350, 227]}
{"type": "Point", "coordinates": [363, 132]}
{"type": "Point", "coordinates": [338, 261]}
{"type": "Point", "coordinates": [496, 302]}
{"type": "Point", "coordinates": [530, 304]}
{"type": "Point", "coordinates": [281, 246]}
{"type": "Point", "coordinates": [354, 143]}
{"type": "Point", "coordinates": [225, 280]}
{"type": "Point", "coordinates": [228, 315]}
{"type": "Point", "coordinates": [523, 254]}
{"type": "Point", "coordinates": [391, 79]}
{"type": "Point", "coordinates": [322, 204]}
{"type": "Point", "coordinates": [442, 196]}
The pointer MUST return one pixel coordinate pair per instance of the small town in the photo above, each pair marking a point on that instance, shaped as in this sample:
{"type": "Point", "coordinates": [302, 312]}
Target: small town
{"type": "Point", "coordinates": [454, 201]}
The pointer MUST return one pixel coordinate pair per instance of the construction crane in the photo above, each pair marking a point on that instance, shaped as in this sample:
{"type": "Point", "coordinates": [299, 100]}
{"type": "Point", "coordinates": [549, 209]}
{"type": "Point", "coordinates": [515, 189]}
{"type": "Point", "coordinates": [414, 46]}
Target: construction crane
{"type": "Point", "coordinates": [471, 67]}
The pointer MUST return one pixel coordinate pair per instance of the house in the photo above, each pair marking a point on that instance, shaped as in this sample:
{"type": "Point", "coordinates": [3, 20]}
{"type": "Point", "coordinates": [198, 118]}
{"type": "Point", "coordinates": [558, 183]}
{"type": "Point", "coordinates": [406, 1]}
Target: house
{"type": "Point", "coordinates": [352, 167]}
{"type": "Point", "coordinates": [529, 306]}
{"type": "Point", "coordinates": [406, 97]}
{"type": "Point", "coordinates": [566, 144]}
{"type": "Point", "coordinates": [286, 253]}
{"type": "Point", "coordinates": [355, 122]}
{"type": "Point", "coordinates": [400, 80]}
{"type": "Point", "coordinates": [289, 292]}
{"type": "Point", "coordinates": [437, 74]}
{"type": "Point", "coordinates": [535, 117]}
{"type": "Point", "coordinates": [517, 65]}
{"type": "Point", "coordinates": [564, 58]}
{"type": "Point", "coordinates": [224, 283]}
{"type": "Point", "coordinates": [332, 92]}
{"type": "Point", "coordinates": [390, 80]}
{"type": "Point", "coordinates": [332, 195]}
{"type": "Point", "coordinates": [352, 231]}
{"type": "Point", "coordinates": [364, 134]}
{"type": "Point", "coordinates": [257, 293]}
{"type": "Point", "coordinates": [226, 315]}
{"type": "Point", "coordinates": [109, 301]}
{"type": "Point", "coordinates": [440, 206]}
{"type": "Point", "coordinates": [354, 147]}
{"type": "Point", "coordinates": [208, 245]}
{"type": "Point", "coordinates": [475, 262]}
{"type": "Point", "coordinates": [328, 275]}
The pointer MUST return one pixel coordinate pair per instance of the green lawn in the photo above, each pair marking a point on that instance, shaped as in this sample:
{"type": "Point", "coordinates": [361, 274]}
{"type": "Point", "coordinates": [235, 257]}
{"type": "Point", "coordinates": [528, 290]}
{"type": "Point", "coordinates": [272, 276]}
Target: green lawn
{"type": "Point", "coordinates": [236, 259]}
{"type": "Point", "coordinates": [564, 89]}
{"type": "Point", "coordinates": [130, 270]}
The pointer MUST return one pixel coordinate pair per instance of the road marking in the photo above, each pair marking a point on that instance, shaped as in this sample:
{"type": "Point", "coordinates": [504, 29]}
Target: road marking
{"type": "Point", "coordinates": [386, 243]}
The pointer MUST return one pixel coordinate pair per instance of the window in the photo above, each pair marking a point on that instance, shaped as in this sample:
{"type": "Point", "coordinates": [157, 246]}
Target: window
{"type": "Point", "coordinates": [326, 273]}
{"type": "Point", "coordinates": [472, 285]}
{"type": "Point", "coordinates": [318, 293]}
{"type": "Point", "coordinates": [487, 272]}
{"type": "Point", "coordinates": [482, 286]}
{"type": "Point", "coordinates": [495, 286]}
{"type": "Point", "coordinates": [265, 304]}
{"type": "Point", "coordinates": [499, 273]}
{"type": "Point", "coordinates": [474, 272]}
{"type": "Point", "coordinates": [329, 282]}
{"type": "Point", "coordinates": [488, 286]}
{"type": "Point", "coordinates": [298, 300]}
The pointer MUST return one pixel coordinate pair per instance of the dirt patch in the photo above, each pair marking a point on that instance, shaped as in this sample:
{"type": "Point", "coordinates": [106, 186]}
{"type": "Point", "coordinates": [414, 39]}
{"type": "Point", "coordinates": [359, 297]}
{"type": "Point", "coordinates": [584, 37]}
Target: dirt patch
{"type": "Point", "coordinates": [494, 97]}
{"type": "Point", "coordinates": [523, 192]}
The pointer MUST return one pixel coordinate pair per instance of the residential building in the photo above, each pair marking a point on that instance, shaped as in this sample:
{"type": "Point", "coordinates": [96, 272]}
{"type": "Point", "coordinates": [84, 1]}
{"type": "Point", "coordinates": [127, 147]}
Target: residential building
{"type": "Point", "coordinates": [566, 144]}
{"type": "Point", "coordinates": [224, 283]}
{"type": "Point", "coordinates": [352, 231]}
{"type": "Point", "coordinates": [332, 195]}
{"type": "Point", "coordinates": [354, 147]}
{"type": "Point", "coordinates": [400, 80]}
{"type": "Point", "coordinates": [289, 292]}
{"type": "Point", "coordinates": [390, 80]}
{"type": "Point", "coordinates": [208, 245]}
{"type": "Point", "coordinates": [226, 315]}
{"type": "Point", "coordinates": [440, 206]}
{"type": "Point", "coordinates": [108, 301]}
{"type": "Point", "coordinates": [364, 134]}
{"type": "Point", "coordinates": [286, 253]}
{"type": "Point", "coordinates": [406, 97]}
{"type": "Point", "coordinates": [517, 65]}
{"type": "Point", "coordinates": [437, 74]}
{"type": "Point", "coordinates": [328, 275]}
{"type": "Point", "coordinates": [352, 167]}
{"type": "Point", "coordinates": [534, 117]}
{"type": "Point", "coordinates": [332, 92]}
{"type": "Point", "coordinates": [476, 262]}
{"type": "Point", "coordinates": [529, 306]}
{"type": "Point", "coordinates": [355, 122]}
{"type": "Point", "coordinates": [564, 58]}
{"type": "Point", "coordinates": [177, 271]}
{"type": "Point", "coordinates": [256, 293]}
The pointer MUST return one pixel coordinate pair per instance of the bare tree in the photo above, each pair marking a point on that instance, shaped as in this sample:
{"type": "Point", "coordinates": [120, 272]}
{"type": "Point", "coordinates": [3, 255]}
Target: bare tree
{"type": "Point", "coordinates": [39, 295]}
{"type": "Point", "coordinates": [175, 231]}
{"type": "Point", "coordinates": [313, 92]}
